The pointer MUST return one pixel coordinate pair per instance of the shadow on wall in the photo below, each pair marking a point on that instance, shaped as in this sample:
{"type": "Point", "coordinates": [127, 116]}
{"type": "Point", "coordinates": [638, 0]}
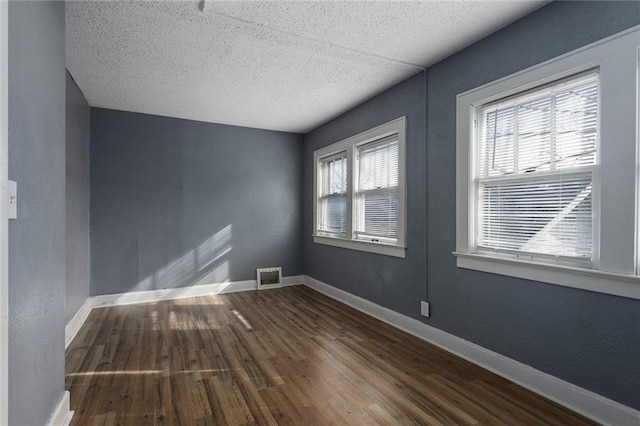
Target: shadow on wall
{"type": "Point", "coordinates": [208, 263]}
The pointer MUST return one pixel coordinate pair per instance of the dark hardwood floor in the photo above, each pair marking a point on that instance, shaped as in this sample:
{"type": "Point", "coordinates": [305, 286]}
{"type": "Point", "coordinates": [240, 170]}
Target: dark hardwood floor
{"type": "Point", "coordinates": [282, 356]}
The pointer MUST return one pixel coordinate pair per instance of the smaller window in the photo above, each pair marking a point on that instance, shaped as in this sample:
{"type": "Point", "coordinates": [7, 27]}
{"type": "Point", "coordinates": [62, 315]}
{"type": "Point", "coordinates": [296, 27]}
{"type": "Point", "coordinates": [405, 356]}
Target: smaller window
{"type": "Point", "coordinates": [360, 193]}
{"type": "Point", "coordinates": [377, 193]}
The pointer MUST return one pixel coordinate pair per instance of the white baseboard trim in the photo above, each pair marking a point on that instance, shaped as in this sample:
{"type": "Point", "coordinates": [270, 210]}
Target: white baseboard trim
{"type": "Point", "coordinates": [585, 402]}
{"type": "Point", "coordinates": [62, 414]}
{"type": "Point", "coordinates": [74, 324]}
{"type": "Point", "coordinates": [292, 280]}
{"type": "Point", "coordinates": [171, 293]}
{"type": "Point", "coordinates": [184, 292]}
{"type": "Point", "coordinates": [80, 317]}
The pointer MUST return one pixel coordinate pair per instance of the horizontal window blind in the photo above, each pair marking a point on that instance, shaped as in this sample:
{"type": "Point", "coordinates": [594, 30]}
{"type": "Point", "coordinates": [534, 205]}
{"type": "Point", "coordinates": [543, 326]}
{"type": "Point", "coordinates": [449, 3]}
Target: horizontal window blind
{"type": "Point", "coordinates": [550, 129]}
{"type": "Point", "coordinates": [332, 203]}
{"type": "Point", "coordinates": [376, 198]}
{"type": "Point", "coordinates": [534, 174]}
{"type": "Point", "coordinates": [546, 216]}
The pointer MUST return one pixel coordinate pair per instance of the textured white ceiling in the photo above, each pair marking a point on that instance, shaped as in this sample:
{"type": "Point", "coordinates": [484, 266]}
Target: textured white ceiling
{"type": "Point", "coordinates": [277, 65]}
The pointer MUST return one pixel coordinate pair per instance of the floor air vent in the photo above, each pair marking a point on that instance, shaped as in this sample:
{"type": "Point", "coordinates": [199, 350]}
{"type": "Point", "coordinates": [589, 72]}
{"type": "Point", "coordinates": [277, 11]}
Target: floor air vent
{"type": "Point", "coordinates": [269, 278]}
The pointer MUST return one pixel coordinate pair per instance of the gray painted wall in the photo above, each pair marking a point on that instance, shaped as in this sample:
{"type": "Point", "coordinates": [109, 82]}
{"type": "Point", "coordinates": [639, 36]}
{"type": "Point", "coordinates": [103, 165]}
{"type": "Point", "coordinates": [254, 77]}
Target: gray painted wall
{"type": "Point", "coordinates": [37, 237]}
{"type": "Point", "coordinates": [77, 199]}
{"type": "Point", "coordinates": [586, 338]}
{"type": "Point", "coordinates": [178, 203]}
{"type": "Point", "coordinates": [398, 284]}
{"type": "Point", "coordinates": [589, 339]}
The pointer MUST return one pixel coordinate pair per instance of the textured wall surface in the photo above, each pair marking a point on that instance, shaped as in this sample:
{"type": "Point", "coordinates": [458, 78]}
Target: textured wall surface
{"type": "Point", "coordinates": [392, 282]}
{"type": "Point", "coordinates": [37, 237]}
{"type": "Point", "coordinates": [77, 199]}
{"type": "Point", "coordinates": [589, 339]}
{"type": "Point", "coordinates": [586, 338]}
{"type": "Point", "coordinates": [178, 203]}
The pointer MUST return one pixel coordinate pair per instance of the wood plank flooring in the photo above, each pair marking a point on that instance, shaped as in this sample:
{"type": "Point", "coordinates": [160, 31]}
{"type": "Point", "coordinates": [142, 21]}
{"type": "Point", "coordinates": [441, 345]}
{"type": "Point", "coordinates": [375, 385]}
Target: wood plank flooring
{"type": "Point", "coordinates": [282, 356]}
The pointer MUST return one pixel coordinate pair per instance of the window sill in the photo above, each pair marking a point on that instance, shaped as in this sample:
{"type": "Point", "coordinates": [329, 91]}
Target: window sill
{"type": "Point", "coordinates": [371, 247]}
{"type": "Point", "coordinates": [585, 279]}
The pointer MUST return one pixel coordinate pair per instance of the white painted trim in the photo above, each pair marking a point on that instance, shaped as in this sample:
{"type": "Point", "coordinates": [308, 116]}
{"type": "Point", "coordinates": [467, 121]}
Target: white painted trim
{"type": "Point", "coordinates": [293, 280]}
{"type": "Point", "coordinates": [4, 225]}
{"type": "Point", "coordinates": [183, 292]}
{"type": "Point", "coordinates": [74, 324]}
{"type": "Point", "coordinates": [585, 402]}
{"type": "Point", "coordinates": [171, 294]}
{"type": "Point", "coordinates": [62, 414]}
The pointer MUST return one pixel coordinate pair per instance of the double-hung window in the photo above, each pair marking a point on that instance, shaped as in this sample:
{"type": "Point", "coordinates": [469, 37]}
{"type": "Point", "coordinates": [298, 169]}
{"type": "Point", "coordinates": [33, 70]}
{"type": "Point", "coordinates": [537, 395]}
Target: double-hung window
{"type": "Point", "coordinates": [360, 191]}
{"type": "Point", "coordinates": [547, 171]}
{"type": "Point", "coordinates": [377, 193]}
{"type": "Point", "coordinates": [536, 162]}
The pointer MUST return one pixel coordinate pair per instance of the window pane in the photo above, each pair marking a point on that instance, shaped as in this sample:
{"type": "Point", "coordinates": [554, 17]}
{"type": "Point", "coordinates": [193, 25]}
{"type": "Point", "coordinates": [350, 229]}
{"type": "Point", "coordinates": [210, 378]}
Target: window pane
{"type": "Point", "coordinates": [378, 165]}
{"type": "Point", "coordinates": [380, 214]}
{"type": "Point", "coordinates": [549, 129]}
{"type": "Point", "coordinates": [333, 214]}
{"type": "Point", "coordinates": [577, 126]}
{"type": "Point", "coordinates": [497, 143]}
{"type": "Point", "coordinates": [334, 175]}
{"type": "Point", "coordinates": [546, 216]}
{"type": "Point", "coordinates": [534, 135]}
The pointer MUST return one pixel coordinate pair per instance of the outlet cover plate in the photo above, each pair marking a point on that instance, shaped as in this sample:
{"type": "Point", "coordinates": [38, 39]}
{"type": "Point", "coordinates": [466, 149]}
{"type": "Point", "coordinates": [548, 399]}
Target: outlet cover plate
{"type": "Point", "coordinates": [424, 309]}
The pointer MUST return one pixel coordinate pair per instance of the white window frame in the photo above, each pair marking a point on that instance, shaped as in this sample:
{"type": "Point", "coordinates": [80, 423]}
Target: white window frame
{"type": "Point", "coordinates": [614, 267]}
{"type": "Point", "coordinates": [350, 145]}
{"type": "Point", "coordinates": [592, 170]}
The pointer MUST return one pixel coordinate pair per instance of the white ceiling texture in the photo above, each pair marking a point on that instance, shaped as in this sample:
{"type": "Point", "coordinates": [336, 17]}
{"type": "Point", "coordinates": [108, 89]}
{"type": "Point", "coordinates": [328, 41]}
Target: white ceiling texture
{"type": "Point", "coordinates": [277, 65]}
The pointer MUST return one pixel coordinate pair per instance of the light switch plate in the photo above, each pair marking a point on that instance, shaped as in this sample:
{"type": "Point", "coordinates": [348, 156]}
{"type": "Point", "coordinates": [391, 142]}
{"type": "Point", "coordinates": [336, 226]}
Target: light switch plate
{"type": "Point", "coordinates": [12, 191]}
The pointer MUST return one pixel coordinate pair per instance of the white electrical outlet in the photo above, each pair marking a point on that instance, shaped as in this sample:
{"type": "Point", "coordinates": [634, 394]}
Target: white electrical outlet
{"type": "Point", "coordinates": [424, 309]}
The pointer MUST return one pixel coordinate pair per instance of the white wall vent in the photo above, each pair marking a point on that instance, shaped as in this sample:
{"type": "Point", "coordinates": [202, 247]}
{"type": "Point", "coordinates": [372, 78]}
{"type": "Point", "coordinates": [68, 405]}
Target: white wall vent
{"type": "Point", "coordinates": [269, 278]}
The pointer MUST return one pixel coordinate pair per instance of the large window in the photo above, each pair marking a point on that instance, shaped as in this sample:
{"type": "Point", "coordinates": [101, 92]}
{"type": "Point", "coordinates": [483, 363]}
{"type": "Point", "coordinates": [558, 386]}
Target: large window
{"type": "Point", "coordinates": [360, 191]}
{"type": "Point", "coordinates": [547, 171]}
{"type": "Point", "coordinates": [534, 180]}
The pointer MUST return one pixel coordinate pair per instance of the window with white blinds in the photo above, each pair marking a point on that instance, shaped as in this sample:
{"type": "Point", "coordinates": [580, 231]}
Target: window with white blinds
{"type": "Point", "coordinates": [377, 192]}
{"type": "Point", "coordinates": [332, 203]}
{"type": "Point", "coordinates": [535, 176]}
{"type": "Point", "coordinates": [360, 195]}
{"type": "Point", "coordinates": [548, 171]}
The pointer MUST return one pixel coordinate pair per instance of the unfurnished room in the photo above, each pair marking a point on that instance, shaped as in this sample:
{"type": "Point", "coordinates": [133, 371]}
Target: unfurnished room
{"type": "Point", "coordinates": [319, 212]}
